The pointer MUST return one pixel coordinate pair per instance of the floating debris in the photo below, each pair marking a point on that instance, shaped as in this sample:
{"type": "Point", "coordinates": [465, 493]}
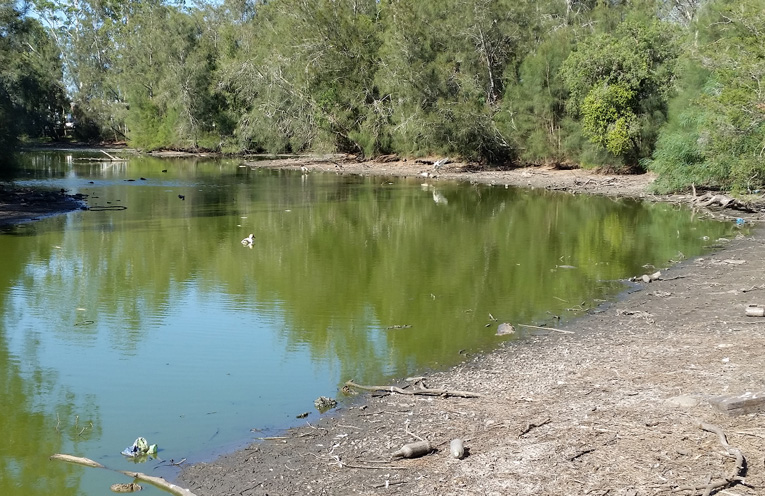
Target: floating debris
{"type": "Point", "coordinates": [755, 311]}
{"type": "Point", "coordinates": [647, 277]}
{"type": "Point", "coordinates": [140, 448]}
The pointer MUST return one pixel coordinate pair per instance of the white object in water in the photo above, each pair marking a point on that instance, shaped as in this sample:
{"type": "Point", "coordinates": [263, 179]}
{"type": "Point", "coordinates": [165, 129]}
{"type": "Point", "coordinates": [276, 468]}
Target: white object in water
{"type": "Point", "coordinates": [248, 240]}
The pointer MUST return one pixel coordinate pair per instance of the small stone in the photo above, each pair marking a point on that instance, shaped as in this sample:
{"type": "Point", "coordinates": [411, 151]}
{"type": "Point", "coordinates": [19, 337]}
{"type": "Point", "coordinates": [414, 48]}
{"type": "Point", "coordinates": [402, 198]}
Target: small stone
{"type": "Point", "coordinates": [683, 401]}
{"type": "Point", "coordinates": [504, 329]}
{"type": "Point", "coordinates": [322, 403]}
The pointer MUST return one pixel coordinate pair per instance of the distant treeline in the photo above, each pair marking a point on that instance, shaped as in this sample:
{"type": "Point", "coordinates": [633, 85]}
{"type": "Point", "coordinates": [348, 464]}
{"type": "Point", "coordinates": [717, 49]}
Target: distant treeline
{"type": "Point", "coordinates": [674, 86]}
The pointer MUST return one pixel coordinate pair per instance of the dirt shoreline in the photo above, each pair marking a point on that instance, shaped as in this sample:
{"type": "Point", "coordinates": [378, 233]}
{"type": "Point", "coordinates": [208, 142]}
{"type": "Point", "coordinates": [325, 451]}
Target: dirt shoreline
{"type": "Point", "coordinates": [613, 408]}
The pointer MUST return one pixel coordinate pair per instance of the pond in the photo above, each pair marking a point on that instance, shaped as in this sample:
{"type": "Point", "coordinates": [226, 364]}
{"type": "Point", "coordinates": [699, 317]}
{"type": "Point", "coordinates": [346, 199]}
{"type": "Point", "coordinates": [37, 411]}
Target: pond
{"type": "Point", "coordinates": [147, 316]}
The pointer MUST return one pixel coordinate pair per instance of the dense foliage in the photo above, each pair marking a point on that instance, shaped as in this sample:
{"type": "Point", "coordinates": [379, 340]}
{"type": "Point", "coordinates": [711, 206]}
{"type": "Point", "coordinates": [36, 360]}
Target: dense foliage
{"type": "Point", "coordinates": [668, 85]}
{"type": "Point", "coordinates": [716, 133]}
{"type": "Point", "coordinates": [32, 98]}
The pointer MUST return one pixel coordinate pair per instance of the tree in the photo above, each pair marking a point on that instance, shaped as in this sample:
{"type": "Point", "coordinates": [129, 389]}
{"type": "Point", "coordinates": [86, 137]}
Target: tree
{"type": "Point", "coordinates": [164, 71]}
{"type": "Point", "coordinates": [534, 104]}
{"type": "Point", "coordinates": [87, 35]}
{"type": "Point", "coordinates": [32, 98]}
{"type": "Point", "coordinates": [718, 138]}
{"type": "Point", "coordinates": [302, 74]}
{"type": "Point", "coordinates": [445, 76]}
{"type": "Point", "coordinates": [619, 85]}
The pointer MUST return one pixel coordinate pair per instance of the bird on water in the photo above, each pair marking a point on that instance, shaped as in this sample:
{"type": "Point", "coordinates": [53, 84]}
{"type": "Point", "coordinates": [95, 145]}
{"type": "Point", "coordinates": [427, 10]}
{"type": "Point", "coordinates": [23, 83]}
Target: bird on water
{"type": "Point", "coordinates": [248, 240]}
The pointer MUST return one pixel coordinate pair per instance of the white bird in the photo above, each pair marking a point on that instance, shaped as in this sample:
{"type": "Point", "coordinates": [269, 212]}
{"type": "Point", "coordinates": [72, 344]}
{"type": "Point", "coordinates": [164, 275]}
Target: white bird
{"type": "Point", "coordinates": [248, 240]}
{"type": "Point", "coordinates": [440, 163]}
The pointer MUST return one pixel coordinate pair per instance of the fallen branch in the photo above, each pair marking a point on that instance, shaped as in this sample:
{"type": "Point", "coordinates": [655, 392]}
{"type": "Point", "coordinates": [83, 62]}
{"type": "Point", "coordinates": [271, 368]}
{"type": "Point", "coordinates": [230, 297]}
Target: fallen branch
{"type": "Point", "coordinates": [745, 433]}
{"type": "Point", "coordinates": [753, 288]}
{"type": "Point", "coordinates": [387, 484]}
{"type": "Point", "coordinates": [581, 453]}
{"type": "Point", "coordinates": [416, 392]}
{"type": "Point", "coordinates": [155, 481]}
{"type": "Point", "coordinates": [546, 328]}
{"type": "Point", "coordinates": [366, 464]}
{"type": "Point", "coordinates": [721, 201]}
{"type": "Point", "coordinates": [736, 475]}
{"type": "Point", "coordinates": [533, 426]}
{"type": "Point", "coordinates": [112, 156]}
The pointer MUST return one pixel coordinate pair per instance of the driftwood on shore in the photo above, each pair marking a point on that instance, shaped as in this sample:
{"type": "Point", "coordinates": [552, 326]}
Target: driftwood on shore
{"type": "Point", "coordinates": [730, 480]}
{"type": "Point", "coordinates": [712, 200]}
{"type": "Point", "coordinates": [553, 329]}
{"type": "Point", "coordinates": [155, 481]}
{"type": "Point", "coordinates": [415, 392]}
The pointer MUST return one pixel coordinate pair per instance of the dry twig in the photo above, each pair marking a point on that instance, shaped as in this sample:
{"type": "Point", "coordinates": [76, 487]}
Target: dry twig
{"type": "Point", "coordinates": [546, 328]}
{"type": "Point", "coordinates": [736, 475]}
{"type": "Point", "coordinates": [532, 426]}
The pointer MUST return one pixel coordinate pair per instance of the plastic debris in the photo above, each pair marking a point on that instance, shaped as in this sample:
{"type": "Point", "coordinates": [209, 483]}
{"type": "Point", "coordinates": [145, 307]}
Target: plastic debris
{"type": "Point", "coordinates": [457, 449]}
{"type": "Point", "coordinates": [414, 450]}
{"type": "Point", "coordinates": [140, 448]}
{"type": "Point", "coordinates": [755, 311]}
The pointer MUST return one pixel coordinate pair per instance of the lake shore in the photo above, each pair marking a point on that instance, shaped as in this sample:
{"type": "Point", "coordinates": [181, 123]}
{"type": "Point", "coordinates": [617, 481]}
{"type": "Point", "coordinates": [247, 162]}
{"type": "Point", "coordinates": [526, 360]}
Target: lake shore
{"type": "Point", "coordinates": [612, 405]}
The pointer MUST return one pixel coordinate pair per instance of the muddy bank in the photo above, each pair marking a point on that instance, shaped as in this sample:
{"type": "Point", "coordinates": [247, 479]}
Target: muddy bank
{"type": "Point", "coordinates": [613, 406]}
{"type": "Point", "coordinates": [19, 205]}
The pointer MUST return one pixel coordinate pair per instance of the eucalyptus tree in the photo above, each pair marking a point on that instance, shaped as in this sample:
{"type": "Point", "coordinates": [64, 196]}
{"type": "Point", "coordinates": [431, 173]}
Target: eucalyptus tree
{"type": "Point", "coordinates": [138, 70]}
{"type": "Point", "coordinates": [88, 34]}
{"type": "Point", "coordinates": [682, 12]}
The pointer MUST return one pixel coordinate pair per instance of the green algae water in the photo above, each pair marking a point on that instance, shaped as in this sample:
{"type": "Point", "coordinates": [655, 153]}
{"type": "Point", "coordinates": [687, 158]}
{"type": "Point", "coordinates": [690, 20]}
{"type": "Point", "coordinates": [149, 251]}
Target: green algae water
{"type": "Point", "coordinates": [147, 316]}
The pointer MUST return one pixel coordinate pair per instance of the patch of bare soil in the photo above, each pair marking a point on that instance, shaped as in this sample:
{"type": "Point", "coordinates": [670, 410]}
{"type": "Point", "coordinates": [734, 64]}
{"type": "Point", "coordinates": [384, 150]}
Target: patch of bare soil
{"type": "Point", "coordinates": [18, 205]}
{"type": "Point", "coordinates": [619, 405]}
